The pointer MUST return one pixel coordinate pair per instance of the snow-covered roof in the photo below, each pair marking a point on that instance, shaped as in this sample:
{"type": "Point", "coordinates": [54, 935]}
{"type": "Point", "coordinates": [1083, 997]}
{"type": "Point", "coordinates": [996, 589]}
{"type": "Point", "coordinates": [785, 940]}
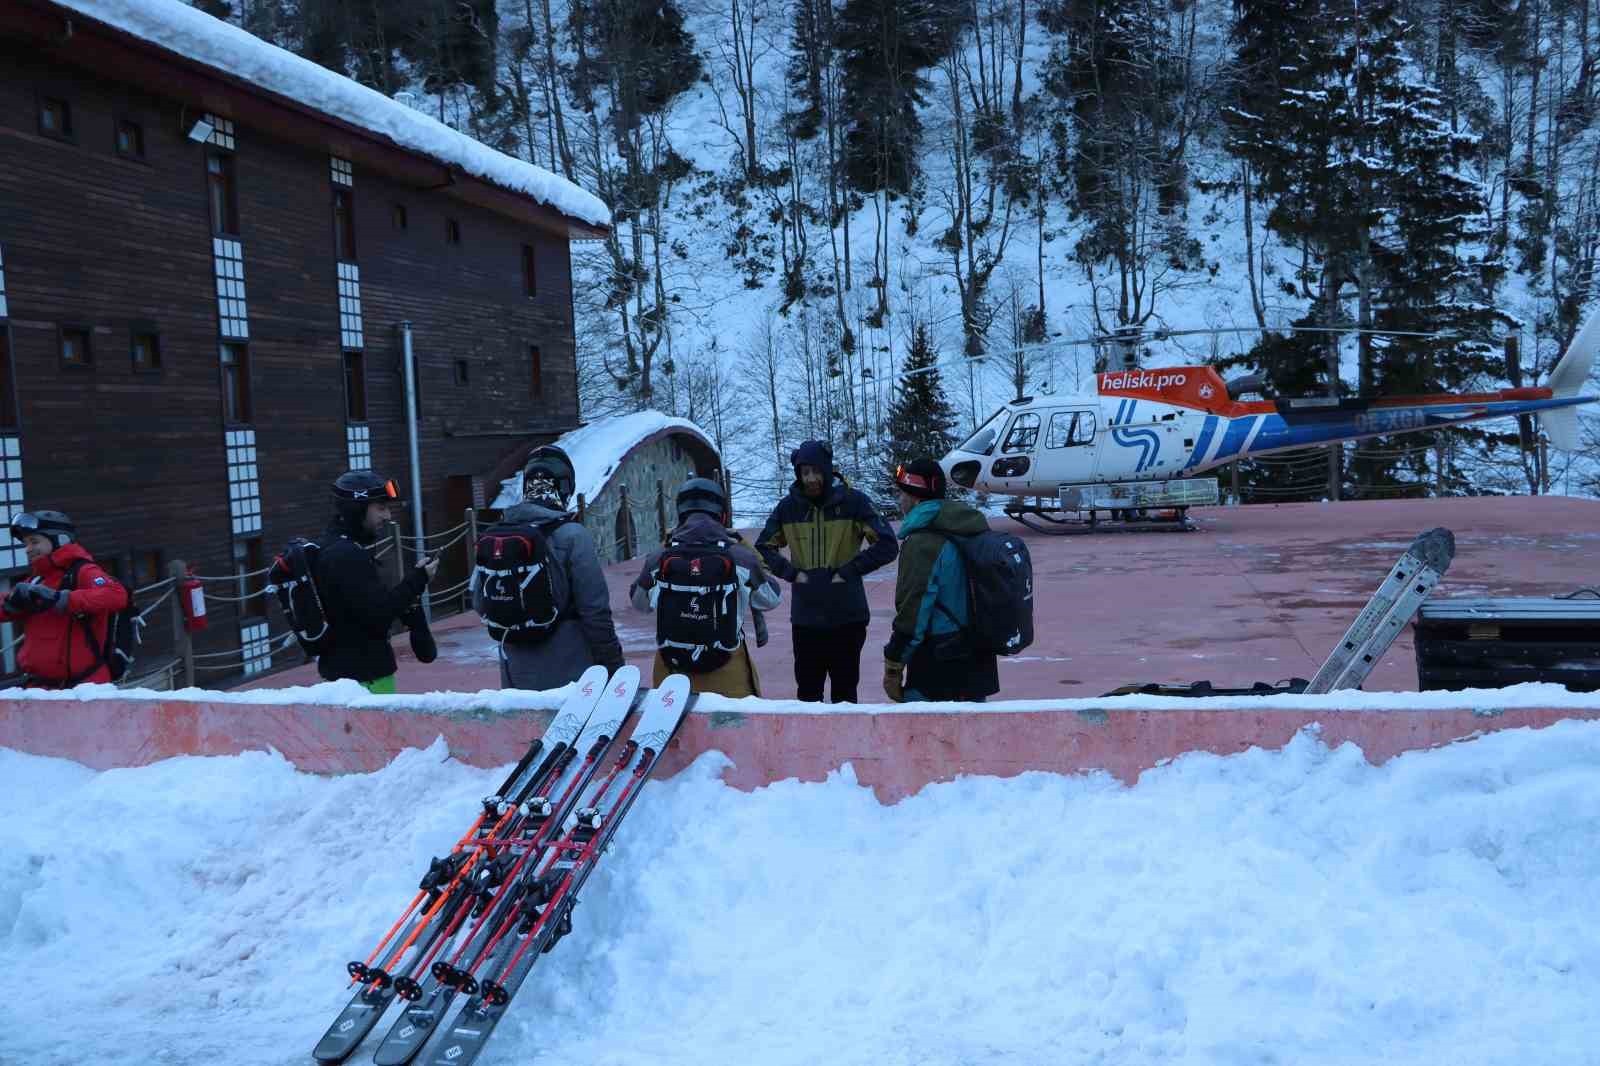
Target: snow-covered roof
{"type": "Point", "coordinates": [598, 449]}
{"type": "Point", "coordinates": [179, 28]}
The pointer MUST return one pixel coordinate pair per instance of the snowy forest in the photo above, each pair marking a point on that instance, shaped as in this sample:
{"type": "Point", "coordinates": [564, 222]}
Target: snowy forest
{"type": "Point", "coordinates": [812, 197]}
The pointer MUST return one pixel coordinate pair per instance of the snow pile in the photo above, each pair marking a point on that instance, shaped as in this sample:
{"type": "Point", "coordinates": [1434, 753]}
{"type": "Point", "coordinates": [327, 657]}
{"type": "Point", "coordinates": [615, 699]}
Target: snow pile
{"type": "Point", "coordinates": [597, 448]}
{"type": "Point", "coordinates": [1297, 906]}
{"type": "Point", "coordinates": [229, 49]}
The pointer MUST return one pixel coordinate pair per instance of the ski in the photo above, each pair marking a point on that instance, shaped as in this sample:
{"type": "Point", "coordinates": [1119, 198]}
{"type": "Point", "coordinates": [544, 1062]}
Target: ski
{"type": "Point", "coordinates": [378, 990]}
{"type": "Point", "coordinates": [517, 848]}
{"type": "Point", "coordinates": [545, 909]}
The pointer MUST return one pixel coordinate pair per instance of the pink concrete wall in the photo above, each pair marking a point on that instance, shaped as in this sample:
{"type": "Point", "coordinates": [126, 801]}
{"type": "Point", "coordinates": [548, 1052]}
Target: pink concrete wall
{"type": "Point", "coordinates": [895, 754]}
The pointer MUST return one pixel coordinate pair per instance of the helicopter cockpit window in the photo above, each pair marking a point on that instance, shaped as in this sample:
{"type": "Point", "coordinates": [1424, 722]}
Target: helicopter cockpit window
{"type": "Point", "coordinates": [1083, 428]}
{"type": "Point", "coordinates": [982, 442]}
{"type": "Point", "coordinates": [1024, 434]}
{"type": "Point", "coordinates": [1060, 432]}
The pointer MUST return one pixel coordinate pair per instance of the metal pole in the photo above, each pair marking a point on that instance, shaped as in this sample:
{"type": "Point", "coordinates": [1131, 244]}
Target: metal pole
{"type": "Point", "coordinates": [182, 643]}
{"type": "Point", "coordinates": [416, 458]}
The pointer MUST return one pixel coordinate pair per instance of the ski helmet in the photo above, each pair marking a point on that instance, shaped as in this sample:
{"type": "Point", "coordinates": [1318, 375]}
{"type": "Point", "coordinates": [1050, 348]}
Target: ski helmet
{"type": "Point", "coordinates": [548, 476]}
{"type": "Point", "coordinates": [704, 495]}
{"type": "Point", "coordinates": [52, 524]}
{"type": "Point", "coordinates": [354, 489]}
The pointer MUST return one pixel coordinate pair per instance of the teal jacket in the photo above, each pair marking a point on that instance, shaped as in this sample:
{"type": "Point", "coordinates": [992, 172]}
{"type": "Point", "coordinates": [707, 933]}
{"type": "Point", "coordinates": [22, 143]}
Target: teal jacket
{"type": "Point", "coordinates": [930, 595]}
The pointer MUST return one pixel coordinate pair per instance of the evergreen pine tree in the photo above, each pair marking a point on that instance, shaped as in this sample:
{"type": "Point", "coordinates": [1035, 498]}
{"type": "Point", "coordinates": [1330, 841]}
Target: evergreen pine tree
{"type": "Point", "coordinates": [885, 46]}
{"type": "Point", "coordinates": [921, 417]}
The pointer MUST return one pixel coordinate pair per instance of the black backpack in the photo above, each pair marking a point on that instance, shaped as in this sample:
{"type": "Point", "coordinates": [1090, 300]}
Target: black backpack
{"type": "Point", "coordinates": [697, 606]}
{"type": "Point", "coordinates": [999, 574]}
{"type": "Point", "coordinates": [516, 593]}
{"type": "Point", "coordinates": [293, 578]}
{"type": "Point", "coordinates": [124, 634]}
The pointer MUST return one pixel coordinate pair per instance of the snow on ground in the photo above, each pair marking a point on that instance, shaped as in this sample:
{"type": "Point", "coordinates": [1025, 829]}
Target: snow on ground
{"type": "Point", "coordinates": [1298, 906]}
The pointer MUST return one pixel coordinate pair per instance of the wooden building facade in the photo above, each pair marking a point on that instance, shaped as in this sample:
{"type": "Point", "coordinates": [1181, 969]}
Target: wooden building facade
{"type": "Point", "coordinates": [202, 285]}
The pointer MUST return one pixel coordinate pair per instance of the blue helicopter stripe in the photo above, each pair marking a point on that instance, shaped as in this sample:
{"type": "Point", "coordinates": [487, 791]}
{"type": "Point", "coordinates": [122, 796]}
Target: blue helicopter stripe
{"type": "Point", "coordinates": [1203, 440]}
{"type": "Point", "coordinates": [1233, 438]}
{"type": "Point", "coordinates": [1146, 440]}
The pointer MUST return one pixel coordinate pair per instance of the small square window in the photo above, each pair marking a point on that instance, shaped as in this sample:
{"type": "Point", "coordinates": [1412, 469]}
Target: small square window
{"type": "Point", "coordinates": [397, 215]}
{"type": "Point", "coordinates": [461, 371]}
{"type": "Point", "coordinates": [146, 350]}
{"type": "Point", "coordinates": [130, 139]}
{"type": "Point", "coordinates": [530, 274]}
{"type": "Point", "coordinates": [75, 348]}
{"type": "Point", "coordinates": [452, 231]}
{"type": "Point", "coordinates": [55, 117]}
{"type": "Point", "coordinates": [147, 568]}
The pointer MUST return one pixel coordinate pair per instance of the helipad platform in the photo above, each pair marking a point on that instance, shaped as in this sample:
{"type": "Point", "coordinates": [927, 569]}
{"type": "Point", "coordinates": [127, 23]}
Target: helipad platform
{"type": "Point", "coordinates": [1259, 593]}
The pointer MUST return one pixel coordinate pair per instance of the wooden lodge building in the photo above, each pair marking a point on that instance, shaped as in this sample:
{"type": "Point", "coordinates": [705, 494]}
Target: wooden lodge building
{"type": "Point", "coordinates": [207, 247]}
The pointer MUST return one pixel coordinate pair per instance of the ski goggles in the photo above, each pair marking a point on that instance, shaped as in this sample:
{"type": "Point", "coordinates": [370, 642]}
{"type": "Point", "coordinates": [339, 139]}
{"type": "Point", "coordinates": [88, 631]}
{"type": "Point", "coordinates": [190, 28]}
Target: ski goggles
{"type": "Point", "coordinates": [904, 477]}
{"type": "Point", "coordinates": [24, 524]}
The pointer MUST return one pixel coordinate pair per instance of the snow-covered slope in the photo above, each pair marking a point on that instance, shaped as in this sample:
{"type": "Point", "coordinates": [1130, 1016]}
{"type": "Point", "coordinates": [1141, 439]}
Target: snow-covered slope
{"type": "Point", "coordinates": [1300, 906]}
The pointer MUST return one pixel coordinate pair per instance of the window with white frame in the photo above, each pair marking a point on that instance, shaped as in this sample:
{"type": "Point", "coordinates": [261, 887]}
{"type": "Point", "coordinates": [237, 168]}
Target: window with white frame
{"type": "Point", "coordinates": [358, 443]}
{"type": "Point", "coordinates": [232, 311]}
{"type": "Point", "coordinates": [341, 172]}
{"type": "Point", "coordinates": [221, 132]}
{"type": "Point", "coordinates": [244, 484]}
{"type": "Point", "coordinates": [350, 306]}
{"type": "Point", "coordinates": [2, 282]}
{"type": "Point", "coordinates": [12, 555]}
{"type": "Point", "coordinates": [257, 647]}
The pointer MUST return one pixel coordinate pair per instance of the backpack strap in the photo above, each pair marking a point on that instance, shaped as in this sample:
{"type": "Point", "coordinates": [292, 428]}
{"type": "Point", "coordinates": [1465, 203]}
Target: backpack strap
{"type": "Point", "coordinates": [954, 540]}
{"type": "Point", "coordinates": [99, 653]}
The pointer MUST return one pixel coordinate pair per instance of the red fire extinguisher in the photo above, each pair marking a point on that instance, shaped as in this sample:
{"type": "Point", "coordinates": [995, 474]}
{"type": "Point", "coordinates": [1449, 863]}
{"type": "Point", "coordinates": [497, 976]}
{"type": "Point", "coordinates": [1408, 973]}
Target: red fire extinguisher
{"type": "Point", "coordinates": [192, 597]}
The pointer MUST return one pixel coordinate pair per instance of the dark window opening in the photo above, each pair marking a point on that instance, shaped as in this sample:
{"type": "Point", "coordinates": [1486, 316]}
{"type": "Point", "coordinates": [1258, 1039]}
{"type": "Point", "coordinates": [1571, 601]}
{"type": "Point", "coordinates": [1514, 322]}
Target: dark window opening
{"type": "Point", "coordinates": [461, 371]}
{"type": "Point", "coordinates": [344, 225]}
{"type": "Point", "coordinates": [452, 231]}
{"type": "Point", "coordinates": [355, 386]}
{"type": "Point", "coordinates": [224, 195]}
{"type": "Point", "coordinates": [75, 347]}
{"type": "Point", "coordinates": [397, 215]}
{"type": "Point", "coordinates": [536, 363]}
{"type": "Point", "coordinates": [130, 139]}
{"type": "Point", "coordinates": [112, 565]}
{"type": "Point", "coordinates": [147, 568]}
{"type": "Point", "coordinates": [530, 277]}
{"type": "Point", "coordinates": [8, 391]}
{"type": "Point", "coordinates": [246, 562]}
{"type": "Point", "coordinates": [235, 384]}
{"type": "Point", "coordinates": [55, 118]}
{"type": "Point", "coordinates": [146, 348]}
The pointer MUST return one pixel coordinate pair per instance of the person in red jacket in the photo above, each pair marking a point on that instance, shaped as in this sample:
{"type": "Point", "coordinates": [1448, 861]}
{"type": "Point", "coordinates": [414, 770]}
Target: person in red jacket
{"type": "Point", "coordinates": [64, 630]}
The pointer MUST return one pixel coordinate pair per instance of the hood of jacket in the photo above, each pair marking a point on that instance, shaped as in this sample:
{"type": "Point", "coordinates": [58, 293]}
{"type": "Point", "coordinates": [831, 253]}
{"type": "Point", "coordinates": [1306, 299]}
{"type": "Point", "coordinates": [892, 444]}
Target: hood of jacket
{"type": "Point", "coordinates": [945, 516]}
{"type": "Point", "coordinates": [60, 560]}
{"type": "Point", "coordinates": [532, 513]}
{"type": "Point", "coordinates": [831, 492]}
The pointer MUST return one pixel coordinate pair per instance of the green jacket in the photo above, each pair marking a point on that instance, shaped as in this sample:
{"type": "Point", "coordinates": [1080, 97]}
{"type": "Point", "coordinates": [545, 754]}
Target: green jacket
{"type": "Point", "coordinates": [826, 537]}
{"type": "Point", "coordinates": [930, 593]}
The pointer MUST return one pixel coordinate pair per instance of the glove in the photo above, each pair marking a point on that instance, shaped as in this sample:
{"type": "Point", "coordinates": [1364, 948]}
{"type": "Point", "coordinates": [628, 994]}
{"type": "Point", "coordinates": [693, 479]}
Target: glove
{"type": "Point", "coordinates": [423, 646]}
{"type": "Point", "coordinates": [894, 681]}
{"type": "Point", "coordinates": [28, 598]}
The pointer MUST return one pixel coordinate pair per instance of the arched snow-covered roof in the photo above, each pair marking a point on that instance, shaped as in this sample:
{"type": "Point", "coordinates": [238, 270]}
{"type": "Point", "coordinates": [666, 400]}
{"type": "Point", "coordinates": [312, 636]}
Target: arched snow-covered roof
{"type": "Point", "coordinates": [599, 448]}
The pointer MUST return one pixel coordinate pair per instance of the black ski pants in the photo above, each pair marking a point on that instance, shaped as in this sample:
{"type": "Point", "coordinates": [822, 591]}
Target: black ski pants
{"type": "Point", "coordinates": [821, 653]}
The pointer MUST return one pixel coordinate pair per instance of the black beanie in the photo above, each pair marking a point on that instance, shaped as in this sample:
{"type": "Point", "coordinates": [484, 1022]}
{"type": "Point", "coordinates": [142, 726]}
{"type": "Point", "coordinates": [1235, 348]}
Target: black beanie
{"type": "Point", "coordinates": [921, 478]}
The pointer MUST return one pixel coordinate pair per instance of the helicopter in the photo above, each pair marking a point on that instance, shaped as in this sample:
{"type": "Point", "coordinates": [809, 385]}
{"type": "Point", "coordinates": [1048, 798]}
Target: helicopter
{"type": "Point", "coordinates": [1134, 445]}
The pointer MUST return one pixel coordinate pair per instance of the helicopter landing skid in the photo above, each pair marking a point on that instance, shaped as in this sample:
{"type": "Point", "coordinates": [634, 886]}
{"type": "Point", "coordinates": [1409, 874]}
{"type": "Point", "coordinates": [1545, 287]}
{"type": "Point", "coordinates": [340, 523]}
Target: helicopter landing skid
{"type": "Point", "coordinates": [1057, 522]}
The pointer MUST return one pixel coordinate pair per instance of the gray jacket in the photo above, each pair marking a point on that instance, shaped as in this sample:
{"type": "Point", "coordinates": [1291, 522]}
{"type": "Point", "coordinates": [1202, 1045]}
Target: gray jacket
{"type": "Point", "coordinates": [588, 635]}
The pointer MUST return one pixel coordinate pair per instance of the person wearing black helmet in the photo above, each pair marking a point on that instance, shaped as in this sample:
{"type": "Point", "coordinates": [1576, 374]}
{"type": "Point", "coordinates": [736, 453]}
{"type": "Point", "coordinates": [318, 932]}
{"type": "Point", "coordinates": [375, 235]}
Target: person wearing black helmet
{"type": "Point", "coordinates": [64, 607]}
{"type": "Point", "coordinates": [825, 523]}
{"type": "Point", "coordinates": [700, 585]}
{"type": "Point", "coordinates": [538, 584]}
{"type": "Point", "coordinates": [361, 608]}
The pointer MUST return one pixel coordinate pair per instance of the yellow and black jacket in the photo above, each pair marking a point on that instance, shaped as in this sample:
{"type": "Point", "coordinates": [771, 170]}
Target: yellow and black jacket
{"type": "Point", "coordinates": [824, 538]}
